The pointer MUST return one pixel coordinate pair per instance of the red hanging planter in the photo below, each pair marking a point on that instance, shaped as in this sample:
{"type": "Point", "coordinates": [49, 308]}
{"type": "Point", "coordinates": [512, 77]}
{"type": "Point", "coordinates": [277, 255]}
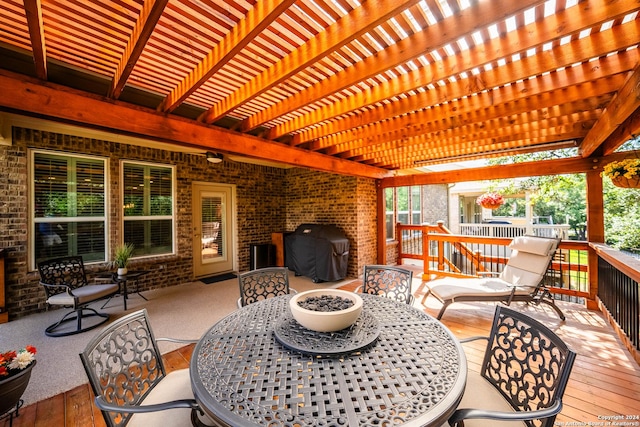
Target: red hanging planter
{"type": "Point", "coordinates": [490, 200]}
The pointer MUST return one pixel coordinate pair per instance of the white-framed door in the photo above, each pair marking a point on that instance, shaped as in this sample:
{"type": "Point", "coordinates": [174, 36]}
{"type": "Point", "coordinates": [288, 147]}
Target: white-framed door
{"type": "Point", "coordinates": [213, 228]}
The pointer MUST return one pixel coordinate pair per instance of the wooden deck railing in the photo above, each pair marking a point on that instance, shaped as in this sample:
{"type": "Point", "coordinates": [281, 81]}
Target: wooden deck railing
{"type": "Point", "coordinates": [611, 284]}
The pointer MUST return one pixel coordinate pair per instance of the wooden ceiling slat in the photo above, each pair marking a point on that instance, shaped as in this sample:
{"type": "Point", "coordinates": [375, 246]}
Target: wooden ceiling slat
{"type": "Point", "coordinates": [443, 142]}
{"type": "Point", "coordinates": [338, 34]}
{"type": "Point", "coordinates": [467, 112]}
{"type": "Point", "coordinates": [256, 21]}
{"type": "Point", "coordinates": [496, 128]}
{"type": "Point", "coordinates": [596, 69]}
{"type": "Point", "coordinates": [622, 37]}
{"type": "Point", "coordinates": [410, 48]}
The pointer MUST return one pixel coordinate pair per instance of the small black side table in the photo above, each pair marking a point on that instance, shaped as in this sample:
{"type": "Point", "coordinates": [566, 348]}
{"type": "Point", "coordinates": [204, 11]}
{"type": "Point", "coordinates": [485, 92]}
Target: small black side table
{"type": "Point", "coordinates": [132, 275]}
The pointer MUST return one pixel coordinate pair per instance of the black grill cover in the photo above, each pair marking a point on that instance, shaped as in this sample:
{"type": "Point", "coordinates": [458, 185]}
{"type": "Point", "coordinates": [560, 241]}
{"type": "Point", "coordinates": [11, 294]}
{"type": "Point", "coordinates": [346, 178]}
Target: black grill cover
{"type": "Point", "coordinates": [318, 251]}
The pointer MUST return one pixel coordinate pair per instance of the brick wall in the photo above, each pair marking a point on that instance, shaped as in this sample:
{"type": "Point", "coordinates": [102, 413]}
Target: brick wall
{"type": "Point", "coordinates": [346, 201]}
{"type": "Point", "coordinates": [268, 199]}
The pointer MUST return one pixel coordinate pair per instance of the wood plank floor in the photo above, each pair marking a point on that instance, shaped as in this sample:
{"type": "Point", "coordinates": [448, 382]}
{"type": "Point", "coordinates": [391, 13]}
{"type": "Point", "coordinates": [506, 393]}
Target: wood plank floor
{"type": "Point", "coordinates": [605, 380]}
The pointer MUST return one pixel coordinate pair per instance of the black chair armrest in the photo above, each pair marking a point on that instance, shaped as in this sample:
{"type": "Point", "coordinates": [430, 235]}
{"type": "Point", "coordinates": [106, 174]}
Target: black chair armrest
{"type": "Point", "coordinates": [462, 414]}
{"type": "Point", "coordinates": [133, 409]}
{"type": "Point", "coordinates": [178, 340]}
{"type": "Point", "coordinates": [469, 339]}
{"type": "Point", "coordinates": [66, 288]}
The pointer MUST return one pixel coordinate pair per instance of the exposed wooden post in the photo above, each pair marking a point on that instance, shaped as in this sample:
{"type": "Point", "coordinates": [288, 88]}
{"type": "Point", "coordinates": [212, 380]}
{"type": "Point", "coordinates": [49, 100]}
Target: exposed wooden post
{"type": "Point", "coordinates": [381, 220]}
{"type": "Point", "coordinates": [595, 230]}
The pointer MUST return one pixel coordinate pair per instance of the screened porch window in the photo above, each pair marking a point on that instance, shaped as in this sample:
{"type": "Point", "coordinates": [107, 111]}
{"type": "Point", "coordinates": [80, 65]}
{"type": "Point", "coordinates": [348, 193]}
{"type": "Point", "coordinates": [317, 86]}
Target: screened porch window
{"type": "Point", "coordinates": [148, 208]}
{"type": "Point", "coordinates": [69, 206]}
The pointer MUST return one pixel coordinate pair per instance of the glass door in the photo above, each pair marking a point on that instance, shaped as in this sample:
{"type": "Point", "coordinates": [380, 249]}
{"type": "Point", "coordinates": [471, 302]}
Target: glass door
{"type": "Point", "coordinates": [213, 245]}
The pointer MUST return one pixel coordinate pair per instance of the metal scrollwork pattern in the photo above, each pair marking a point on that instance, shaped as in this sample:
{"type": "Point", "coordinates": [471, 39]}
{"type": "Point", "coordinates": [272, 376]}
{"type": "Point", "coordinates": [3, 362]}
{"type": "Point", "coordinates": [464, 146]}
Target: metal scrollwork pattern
{"type": "Point", "coordinates": [124, 363]}
{"type": "Point", "coordinates": [244, 376]}
{"type": "Point", "coordinates": [389, 281]}
{"type": "Point", "coordinates": [68, 271]}
{"type": "Point", "coordinates": [525, 364]}
{"type": "Point", "coordinates": [261, 284]}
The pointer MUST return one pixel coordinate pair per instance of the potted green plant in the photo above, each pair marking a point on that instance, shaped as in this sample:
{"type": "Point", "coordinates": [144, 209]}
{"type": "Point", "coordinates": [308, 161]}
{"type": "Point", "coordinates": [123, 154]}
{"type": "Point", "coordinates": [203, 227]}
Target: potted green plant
{"type": "Point", "coordinates": [121, 258]}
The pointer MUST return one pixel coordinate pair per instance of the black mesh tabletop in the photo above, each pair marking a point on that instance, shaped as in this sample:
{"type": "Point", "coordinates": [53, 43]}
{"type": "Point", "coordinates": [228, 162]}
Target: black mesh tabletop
{"type": "Point", "coordinates": [413, 374]}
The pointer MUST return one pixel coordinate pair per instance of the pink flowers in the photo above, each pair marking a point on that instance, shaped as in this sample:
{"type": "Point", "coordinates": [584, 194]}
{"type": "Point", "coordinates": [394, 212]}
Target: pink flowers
{"type": "Point", "coordinates": [490, 200]}
{"type": "Point", "coordinates": [13, 361]}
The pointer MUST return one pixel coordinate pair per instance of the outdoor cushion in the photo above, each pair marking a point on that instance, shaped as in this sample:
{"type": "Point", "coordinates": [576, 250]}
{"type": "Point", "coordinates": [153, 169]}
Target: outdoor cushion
{"type": "Point", "coordinates": [175, 386]}
{"type": "Point", "coordinates": [451, 288]}
{"type": "Point", "coordinates": [84, 294]}
{"type": "Point", "coordinates": [532, 244]}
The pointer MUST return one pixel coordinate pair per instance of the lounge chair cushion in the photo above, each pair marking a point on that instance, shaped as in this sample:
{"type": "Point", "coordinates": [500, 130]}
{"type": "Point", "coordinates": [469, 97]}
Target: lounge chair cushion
{"type": "Point", "coordinates": [532, 244]}
{"type": "Point", "coordinates": [451, 288]}
{"type": "Point", "coordinates": [524, 269]}
{"type": "Point", "coordinates": [84, 294]}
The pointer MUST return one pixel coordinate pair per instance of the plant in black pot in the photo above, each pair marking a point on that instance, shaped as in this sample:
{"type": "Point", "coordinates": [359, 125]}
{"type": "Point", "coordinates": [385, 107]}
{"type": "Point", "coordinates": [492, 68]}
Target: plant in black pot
{"type": "Point", "coordinates": [121, 258]}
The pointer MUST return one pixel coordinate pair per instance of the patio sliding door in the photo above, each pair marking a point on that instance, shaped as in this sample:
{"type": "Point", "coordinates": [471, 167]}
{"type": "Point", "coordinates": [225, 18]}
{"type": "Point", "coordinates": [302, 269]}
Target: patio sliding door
{"type": "Point", "coordinates": [213, 228]}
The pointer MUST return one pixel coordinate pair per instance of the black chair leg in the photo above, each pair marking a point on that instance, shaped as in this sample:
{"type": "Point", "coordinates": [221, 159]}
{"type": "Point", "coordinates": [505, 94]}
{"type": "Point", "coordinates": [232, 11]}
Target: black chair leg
{"type": "Point", "coordinates": [77, 315]}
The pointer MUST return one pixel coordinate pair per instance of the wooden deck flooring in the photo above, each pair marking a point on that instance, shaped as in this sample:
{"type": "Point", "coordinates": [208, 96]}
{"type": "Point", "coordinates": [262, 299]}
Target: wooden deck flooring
{"type": "Point", "coordinates": [605, 380]}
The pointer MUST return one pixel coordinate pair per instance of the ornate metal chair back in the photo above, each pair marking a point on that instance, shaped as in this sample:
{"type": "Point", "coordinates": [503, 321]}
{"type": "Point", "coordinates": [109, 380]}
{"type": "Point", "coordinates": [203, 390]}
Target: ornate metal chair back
{"type": "Point", "coordinates": [62, 271]}
{"type": "Point", "coordinates": [263, 283]}
{"type": "Point", "coordinates": [123, 363]}
{"type": "Point", "coordinates": [389, 281]}
{"type": "Point", "coordinates": [527, 363]}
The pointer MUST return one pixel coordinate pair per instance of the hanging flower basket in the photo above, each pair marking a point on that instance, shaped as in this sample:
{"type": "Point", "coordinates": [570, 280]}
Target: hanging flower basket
{"type": "Point", "coordinates": [624, 173]}
{"type": "Point", "coordinates": [490, 200]}
{"type": "Point", "coordinates": [624, 182]}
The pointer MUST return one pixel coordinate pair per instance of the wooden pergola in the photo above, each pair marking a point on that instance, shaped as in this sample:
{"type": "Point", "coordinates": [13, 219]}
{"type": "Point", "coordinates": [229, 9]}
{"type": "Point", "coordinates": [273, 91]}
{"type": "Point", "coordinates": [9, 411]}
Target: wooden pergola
{"type": "Point", "coordinates": [376, 89]}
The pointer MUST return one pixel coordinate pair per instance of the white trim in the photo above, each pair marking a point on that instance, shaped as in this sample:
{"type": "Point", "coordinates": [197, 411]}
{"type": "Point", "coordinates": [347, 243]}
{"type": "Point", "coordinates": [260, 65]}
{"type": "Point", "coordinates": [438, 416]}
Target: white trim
{"type": "Point", "coordinates": [174, 214]}
{"type": "Point", "coordinates": [31, 152]}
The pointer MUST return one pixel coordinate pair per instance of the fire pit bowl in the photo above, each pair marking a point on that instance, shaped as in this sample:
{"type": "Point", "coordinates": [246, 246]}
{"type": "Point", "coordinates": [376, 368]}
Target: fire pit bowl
{"type": "Point", "coordinates": [326, 321]}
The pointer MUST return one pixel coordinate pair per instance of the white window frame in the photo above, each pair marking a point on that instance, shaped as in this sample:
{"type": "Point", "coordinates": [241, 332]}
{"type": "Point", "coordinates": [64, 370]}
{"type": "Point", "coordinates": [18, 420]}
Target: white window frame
{"type": "Point", "coordinates": [33, 221]}
{"type": "Point", "coordinates": [171, 217]}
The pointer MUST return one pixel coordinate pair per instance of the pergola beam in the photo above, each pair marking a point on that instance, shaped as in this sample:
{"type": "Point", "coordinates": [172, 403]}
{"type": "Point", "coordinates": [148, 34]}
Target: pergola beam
{"type": "Point", "coordinates": [23, 94]}
{"type": "Point", "coordinates": [33, 11]}
{"type": "Point", "coordinates": [149, 17]}
{"type": "Point", "coordinates": [623, 104]}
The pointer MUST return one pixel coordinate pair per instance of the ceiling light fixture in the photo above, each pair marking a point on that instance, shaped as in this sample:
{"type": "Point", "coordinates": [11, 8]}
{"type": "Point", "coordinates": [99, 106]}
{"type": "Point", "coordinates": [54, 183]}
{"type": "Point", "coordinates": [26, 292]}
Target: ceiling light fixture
{"type": "Point", "coordinates": [214, 157]}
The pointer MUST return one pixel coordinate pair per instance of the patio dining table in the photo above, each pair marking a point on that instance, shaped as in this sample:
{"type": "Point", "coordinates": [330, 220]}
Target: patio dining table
{"type": "Point", "coordinates": [396, 366]}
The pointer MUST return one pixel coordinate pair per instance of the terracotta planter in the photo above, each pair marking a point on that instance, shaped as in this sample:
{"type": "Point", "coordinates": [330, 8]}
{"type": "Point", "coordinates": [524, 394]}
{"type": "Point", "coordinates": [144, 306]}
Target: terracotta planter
{"type": "Point", "coordinates": [12, 388]}
{"type": "Point", "coordinates": [624, 182]}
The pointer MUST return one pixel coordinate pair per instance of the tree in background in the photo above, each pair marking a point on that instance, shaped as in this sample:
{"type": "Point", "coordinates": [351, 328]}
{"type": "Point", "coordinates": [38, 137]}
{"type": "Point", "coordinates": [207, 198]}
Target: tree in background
{"type": "Point", "coordinates": [564, 198]}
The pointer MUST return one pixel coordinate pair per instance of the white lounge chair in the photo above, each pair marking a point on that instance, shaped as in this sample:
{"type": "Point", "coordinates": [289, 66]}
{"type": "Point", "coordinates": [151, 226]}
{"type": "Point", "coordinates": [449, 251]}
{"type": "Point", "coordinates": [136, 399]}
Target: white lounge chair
{"type": "Point", "coordinates": [520, 280]}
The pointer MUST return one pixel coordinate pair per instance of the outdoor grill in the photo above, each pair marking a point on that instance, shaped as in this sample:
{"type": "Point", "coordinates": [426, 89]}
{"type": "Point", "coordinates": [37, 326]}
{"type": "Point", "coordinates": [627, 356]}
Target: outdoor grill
{"type": "Point", "coordinates": [317, 251]}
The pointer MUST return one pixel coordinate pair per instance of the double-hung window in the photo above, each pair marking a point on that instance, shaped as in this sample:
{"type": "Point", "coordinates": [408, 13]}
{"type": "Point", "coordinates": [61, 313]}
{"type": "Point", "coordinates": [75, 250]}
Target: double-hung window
{"type": "Point", "coordinates": [69, 205]}
{"type": "Point", "coordinates": [148, 208]}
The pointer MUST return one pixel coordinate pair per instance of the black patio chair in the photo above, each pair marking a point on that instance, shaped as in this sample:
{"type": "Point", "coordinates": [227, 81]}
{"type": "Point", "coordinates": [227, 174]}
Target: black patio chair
{"type": "Point", "coordinates": [65, 284]}
{"type": "Point", "coordinates": [131, 384]}
{"type": "Point", "coordinates": [522, 378]}
{"type": "Point", "coordinates": [389, 281]}
{"type": "Point", "coordinates": [256, 285]}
